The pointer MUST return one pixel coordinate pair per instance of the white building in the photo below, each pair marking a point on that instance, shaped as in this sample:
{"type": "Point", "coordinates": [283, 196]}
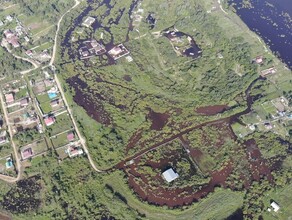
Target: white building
{"type": "Point", "coordinates": [88, 21]}
{"type": "Point", "coordinates": [275, 206]}
{"type": "Point", "coordinates": [169, 175]}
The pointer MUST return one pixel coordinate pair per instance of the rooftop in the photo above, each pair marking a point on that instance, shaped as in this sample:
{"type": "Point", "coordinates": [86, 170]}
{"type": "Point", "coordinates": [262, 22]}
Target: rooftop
{"type": "Point", "coordinates": [27, 153]}
{"type": "Point", "coordinates": [49, 121]}
{"type": "Point", "coordinates": [169, 175]}
{"type": "Point", "coordinates": [88, 21]}
{"type": "Point", "coordinates": [9, 98]}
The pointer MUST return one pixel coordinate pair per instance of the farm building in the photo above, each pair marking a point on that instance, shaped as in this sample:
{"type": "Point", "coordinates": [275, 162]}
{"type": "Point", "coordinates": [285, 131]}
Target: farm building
{"type": "Point", "coordinates": [169, 175]}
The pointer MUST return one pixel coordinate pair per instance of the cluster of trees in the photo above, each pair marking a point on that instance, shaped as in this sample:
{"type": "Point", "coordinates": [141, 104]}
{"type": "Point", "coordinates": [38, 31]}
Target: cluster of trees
{"type": "Point", "coordinates": [10, 65]}
{"type": "Point", "coordinates": [70, 190]}
{"type": "Point", "coordinates": [27, 136]}
{"type": "Point", "coordinates": [47, 9]}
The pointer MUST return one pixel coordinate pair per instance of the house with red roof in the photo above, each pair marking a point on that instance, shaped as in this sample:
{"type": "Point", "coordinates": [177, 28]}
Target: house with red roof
{"type": "Point", "coordinates": [70, 136]}
{"type": "Point", "coordinates": [9, 98]}
{"type": "Point", "coordinates": [49, 120]}
{"type": "Point", "coordinates": [26, 153]}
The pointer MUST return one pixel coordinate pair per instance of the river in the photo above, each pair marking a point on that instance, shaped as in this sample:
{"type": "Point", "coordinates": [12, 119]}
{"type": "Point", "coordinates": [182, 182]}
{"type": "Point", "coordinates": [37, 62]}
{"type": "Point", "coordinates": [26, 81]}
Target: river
{"type": "Point", "coordinates": [272, 20]}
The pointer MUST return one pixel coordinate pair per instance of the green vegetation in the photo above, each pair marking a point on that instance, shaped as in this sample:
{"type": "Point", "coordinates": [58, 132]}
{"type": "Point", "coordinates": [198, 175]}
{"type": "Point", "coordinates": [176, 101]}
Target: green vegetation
{"type": "Point", "coordinates": [62, 123]}
{"type": "Point", "coordinates": [140, 117]}
{"type": "Point", "coordinates": [60, 140]}
{"type": "Point", "coordinates": [10, 66]}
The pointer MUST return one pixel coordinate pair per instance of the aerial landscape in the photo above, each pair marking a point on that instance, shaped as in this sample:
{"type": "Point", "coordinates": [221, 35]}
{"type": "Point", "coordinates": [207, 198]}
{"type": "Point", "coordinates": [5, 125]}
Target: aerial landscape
{"type": "Point", "coordinates": [141, 109]}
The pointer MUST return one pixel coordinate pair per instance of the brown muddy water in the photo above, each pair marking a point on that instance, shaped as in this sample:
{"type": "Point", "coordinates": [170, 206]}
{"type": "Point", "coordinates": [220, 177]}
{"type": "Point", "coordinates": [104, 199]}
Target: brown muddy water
{"type": "Point", "coordinates": [212, 110]}
{"type": "Point", "coordinates": [159, 120]}
{"type": "Point", "coordinates": [175, 197]}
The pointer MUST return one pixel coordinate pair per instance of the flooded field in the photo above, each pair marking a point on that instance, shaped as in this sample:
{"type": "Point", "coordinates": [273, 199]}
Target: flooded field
{"type": "Point", "coordinates": [183, 43]}
{"type": "Point", "coordinates": [212, 110]}
{"type": "Point", "coordinates": [146, 180]}
{"type": "Point", "coordinates": [91, 104]}
{"type": "Point", "coordinates": [159, 120]}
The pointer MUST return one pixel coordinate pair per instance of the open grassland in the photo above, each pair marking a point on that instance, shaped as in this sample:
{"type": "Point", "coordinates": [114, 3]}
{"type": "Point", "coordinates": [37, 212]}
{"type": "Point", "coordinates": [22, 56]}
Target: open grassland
{"type": "Point", "coordinates": [282, 196]}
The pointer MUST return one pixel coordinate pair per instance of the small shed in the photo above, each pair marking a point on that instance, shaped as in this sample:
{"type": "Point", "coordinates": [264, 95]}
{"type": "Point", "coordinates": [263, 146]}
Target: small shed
{"type": "Point", "coordinates": [169, 175]}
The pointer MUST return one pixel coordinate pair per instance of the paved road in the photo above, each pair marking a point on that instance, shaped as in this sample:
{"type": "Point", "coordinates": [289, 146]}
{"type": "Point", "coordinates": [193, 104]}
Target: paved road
{"type": "Point", "coordinates": [16, 156]}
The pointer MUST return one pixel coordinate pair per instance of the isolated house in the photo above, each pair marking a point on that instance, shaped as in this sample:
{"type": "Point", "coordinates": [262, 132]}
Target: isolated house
{"type": "Point", "coordinates": [275, 206]}
{"type": "Point", "coordinates": [9, 18]}
{"type": "Point", "coordinates": [118, 51]}
{"type": "Point", "coordinates": [88, 21]}
{"type": "Point", "coordinates": [169, 175]}
{"type": "Point", "coordinates": [259, 59]}
{"type": "Point", "coordinates": [29, 53]}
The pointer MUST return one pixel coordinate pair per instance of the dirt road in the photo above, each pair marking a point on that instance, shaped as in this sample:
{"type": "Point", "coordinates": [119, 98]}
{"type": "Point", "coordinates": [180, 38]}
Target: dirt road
{"type": "Point", "coordinates": [16, 156]}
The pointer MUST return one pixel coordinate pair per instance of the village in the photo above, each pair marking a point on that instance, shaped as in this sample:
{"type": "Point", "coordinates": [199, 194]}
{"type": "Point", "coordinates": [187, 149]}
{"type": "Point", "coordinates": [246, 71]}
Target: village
{"type": "Point", "coordinates": [34, 112]}
{"type": "Point", "coordinates": [24, 37]}
{"type": "Point", "coordinates": [35, 118]}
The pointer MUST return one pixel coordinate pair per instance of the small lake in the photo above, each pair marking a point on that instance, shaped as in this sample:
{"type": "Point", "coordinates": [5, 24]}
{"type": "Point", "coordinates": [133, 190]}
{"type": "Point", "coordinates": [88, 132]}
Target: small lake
{"type": "Point", "coordinates": [272, 20]}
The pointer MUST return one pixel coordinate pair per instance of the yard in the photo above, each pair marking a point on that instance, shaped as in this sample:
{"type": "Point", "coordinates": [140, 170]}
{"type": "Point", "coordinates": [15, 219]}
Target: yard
{"type": "Point", "coordinates": [63, 123]}
{"type": "Point", "coordinates": [46, 107]}
{"type": "Point", "coordinates": [21, 93]}
{"type": "Point", "coordinates": [281, 196]}
{"type": "Point", "coordinates": [38, 147]}
{"type": "Point", "coordinates": [61, 152]}
{"type": "Point", "coordinates": [60, 140]}
{"type": "Point", "coordinates": [43, 97]}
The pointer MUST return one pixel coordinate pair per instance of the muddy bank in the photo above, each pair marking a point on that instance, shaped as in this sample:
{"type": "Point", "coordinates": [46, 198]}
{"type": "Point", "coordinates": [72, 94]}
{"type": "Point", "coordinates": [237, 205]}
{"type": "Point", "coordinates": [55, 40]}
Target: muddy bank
{"type": "Point", "coordinates": [4, 217]}
{"type": "Point", "coordinates": [175, 197]}
{"type": "Point", "coordinates": [92, 105]}
{"type": "Point", "coordinates": [257, 164]}
{"type": "Point", "coordinates": [211, 110]}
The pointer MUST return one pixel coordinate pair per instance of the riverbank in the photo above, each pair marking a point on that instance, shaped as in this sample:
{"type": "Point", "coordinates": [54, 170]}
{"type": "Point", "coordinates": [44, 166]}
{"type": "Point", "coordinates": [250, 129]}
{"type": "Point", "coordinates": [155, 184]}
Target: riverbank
{"type": "Point", "coordinates": [235, 27]}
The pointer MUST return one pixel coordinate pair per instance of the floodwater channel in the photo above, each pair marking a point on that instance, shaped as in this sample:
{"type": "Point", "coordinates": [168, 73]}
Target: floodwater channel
{"type": "Point", "coordinates": [159, 119]}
